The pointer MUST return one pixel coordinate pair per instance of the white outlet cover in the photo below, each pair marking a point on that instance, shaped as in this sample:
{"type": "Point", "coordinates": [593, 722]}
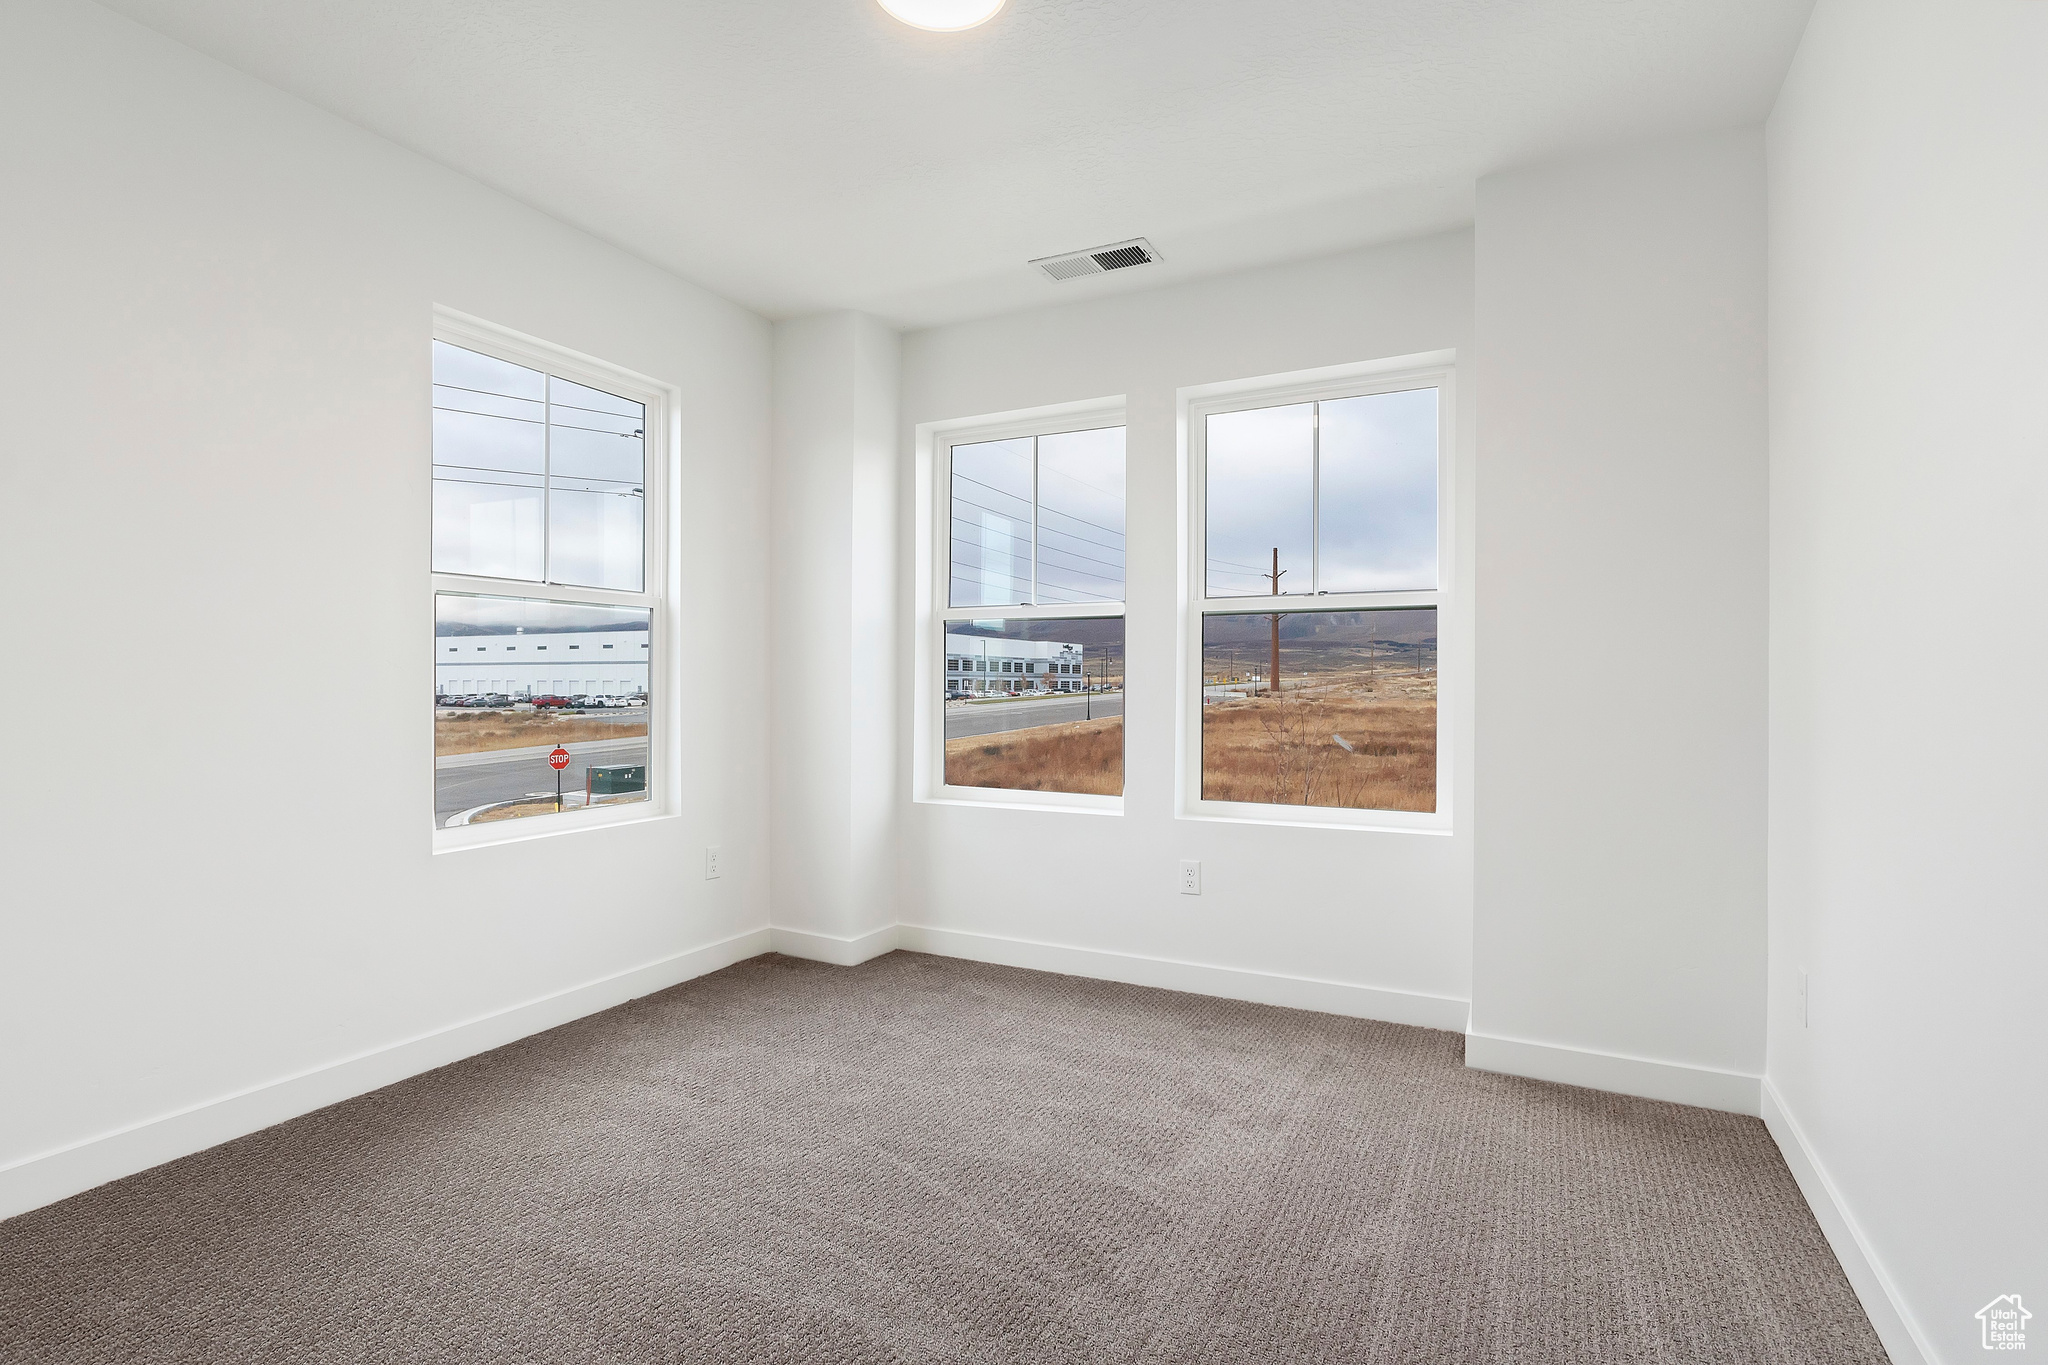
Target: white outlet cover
{"type": "Point", "coordinates": [1190, 877]}
{"type": "Point", "coordinates": [711, 862]}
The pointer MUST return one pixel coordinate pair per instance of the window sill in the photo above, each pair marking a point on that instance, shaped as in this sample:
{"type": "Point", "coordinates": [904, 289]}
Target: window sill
{"type": "Point", "coordinates": [1311, 817]}
{"type": "Point", "coordinates": [1064, 803]}
{"type": "Point", "coordinates": [465, 837]}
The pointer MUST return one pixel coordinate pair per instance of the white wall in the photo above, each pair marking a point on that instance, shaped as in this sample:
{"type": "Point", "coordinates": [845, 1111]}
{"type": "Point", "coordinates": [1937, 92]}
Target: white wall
{"type": "Point", "coordinates": [215, 307]}
{"type": "Point", "coordinates": [1383, 915]}
{"type": "Point", "coordinates": [833, 670]}
{"type": "Point", "coordinates": [1909, 735]}
{"type": "Point", "coordinates": [1618, 882]}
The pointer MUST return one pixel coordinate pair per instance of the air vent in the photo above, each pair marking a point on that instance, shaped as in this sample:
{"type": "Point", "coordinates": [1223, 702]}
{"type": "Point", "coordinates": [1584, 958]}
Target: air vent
{"type": "Point", "coordinates": [1095, 260]}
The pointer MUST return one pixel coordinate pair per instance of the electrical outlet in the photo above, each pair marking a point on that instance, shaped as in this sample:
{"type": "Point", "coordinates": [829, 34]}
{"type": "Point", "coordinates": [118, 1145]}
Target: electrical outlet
{"type": "Point", "coordinates": [1805, 1000]}
{"type": "Point", "coordinates": [1190, 877]}
{"type": "Point", "coordinates": [711, 862]}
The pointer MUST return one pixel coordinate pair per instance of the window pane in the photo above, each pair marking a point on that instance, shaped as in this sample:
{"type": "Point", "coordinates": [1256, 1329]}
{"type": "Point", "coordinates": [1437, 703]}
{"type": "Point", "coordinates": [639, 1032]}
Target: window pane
{"type": "Point", "coordinates": [488, 460]}
{"type": "Point", "coordinates": [502, 704]}
{"type": "Point", "coordinates": [991, 527]}
{"type": "Point", "coordinates": [1377, 493]}
{"type": "Point", "coordinates": [479, 373]}
{"type": "Point", "coordinates": [1260, 496]}
{"type": "Point", "coordinates": [1352, 722]}
{"type": "Point", "coordinates": [596, 500]}
{"type": "Point", "coordinates": [594, 534]}
{"type": "Point", "coordinates": [1016, 720]}
{"type": "Point", "coordinates": [487, 524]}
{"type": "Point", "coordinates": [1081, 516]}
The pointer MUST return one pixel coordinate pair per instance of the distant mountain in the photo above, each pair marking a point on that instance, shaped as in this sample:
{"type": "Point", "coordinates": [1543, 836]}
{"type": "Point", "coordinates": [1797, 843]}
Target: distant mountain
{"type": "Point", "coordinates": [469, 628]}
{"type": "Point", "coordinates": [1356, 629]}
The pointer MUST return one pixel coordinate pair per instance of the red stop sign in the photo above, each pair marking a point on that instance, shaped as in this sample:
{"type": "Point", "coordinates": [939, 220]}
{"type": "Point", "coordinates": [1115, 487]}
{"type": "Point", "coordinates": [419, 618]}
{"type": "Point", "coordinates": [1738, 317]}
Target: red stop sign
{"type": "Point", "coordinates": [559, 759]}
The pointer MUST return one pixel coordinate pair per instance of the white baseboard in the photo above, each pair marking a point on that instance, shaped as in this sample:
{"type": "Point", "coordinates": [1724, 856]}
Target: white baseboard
{"type": "Point", "coordinates": [1706, 1087]}
{"type": "Point", "coordinates": [1889, 1317]}
{"type": "Point", "coordinates": [1231, 983]}
{"type": "Point", "coordinates": [46, 1177]}
{"type": "Point", "coordinates": [840, 952]}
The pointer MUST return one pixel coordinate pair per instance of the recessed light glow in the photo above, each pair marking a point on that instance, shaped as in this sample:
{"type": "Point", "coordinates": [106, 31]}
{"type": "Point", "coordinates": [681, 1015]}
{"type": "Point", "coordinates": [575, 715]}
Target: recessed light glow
{"type": "Point", "coordinates": [943, 16]}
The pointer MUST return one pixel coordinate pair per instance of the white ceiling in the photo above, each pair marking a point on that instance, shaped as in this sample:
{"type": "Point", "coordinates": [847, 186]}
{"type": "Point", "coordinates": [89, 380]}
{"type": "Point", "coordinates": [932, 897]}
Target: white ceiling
{"type": "Point", "coordinates": [800, 155]}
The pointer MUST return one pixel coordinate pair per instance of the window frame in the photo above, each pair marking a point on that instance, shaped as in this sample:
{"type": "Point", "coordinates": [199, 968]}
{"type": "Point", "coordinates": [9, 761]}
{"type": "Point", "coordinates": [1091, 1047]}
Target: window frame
{"type": "Point", "coordinates": [1435, 369]}
{"type": "Point", "coordinates": [656, 596]}
{"type": "Point", "coordinates": [935, 442]}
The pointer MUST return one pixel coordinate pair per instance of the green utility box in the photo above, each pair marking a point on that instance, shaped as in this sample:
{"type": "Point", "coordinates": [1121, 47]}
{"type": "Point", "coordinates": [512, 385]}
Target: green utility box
{"type": "Point", "coordinates": [617, 779]}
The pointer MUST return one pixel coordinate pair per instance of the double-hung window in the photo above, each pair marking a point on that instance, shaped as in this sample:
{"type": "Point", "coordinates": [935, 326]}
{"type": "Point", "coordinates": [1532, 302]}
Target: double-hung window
{"type": "Point", "coordinates": [1316, 534]}
{"type": "Point", "coordinates": [549, 537]}
{"type": "Point", "coordinates": [1029, 582]}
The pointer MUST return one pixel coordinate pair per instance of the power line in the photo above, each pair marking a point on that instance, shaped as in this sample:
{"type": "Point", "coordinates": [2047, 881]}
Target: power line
{"type": "Point", "coordinates": [1060, 568]}
{"type": "Point", "coordinates": [1043, 590]}
{"type": "Point", "coordinates": [1042, 549]}
{"type": "Point", "coordinates": [1107, 493]}
{"type": "Point", "coordinates": [1023, 498]}
{"type": "Point", "coordinates": [558, 426]}
{"type": "Point", "coordinates": [959, 502]}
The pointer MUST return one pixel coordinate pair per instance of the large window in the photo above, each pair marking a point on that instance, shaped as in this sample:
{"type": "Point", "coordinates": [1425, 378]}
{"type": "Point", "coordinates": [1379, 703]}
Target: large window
{"type": "Point", "coordinates": [1313, 656]}
{"type": "Point", "coordinates": [1028, 669]}
{"type": "Point", "coordinates": [547, 543]}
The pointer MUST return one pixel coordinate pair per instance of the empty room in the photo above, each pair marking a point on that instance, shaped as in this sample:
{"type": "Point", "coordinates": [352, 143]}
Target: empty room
{"type": "Point", "coordinates": [1286, 683]}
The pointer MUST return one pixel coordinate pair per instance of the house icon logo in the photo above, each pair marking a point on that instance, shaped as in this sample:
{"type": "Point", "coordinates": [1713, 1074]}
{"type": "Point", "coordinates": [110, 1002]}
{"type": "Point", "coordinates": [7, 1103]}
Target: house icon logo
{"type": "Point", "coordinates": [2005, 1323]}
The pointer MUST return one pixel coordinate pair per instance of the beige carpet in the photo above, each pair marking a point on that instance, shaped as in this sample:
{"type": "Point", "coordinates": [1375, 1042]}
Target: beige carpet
{"type": "Point", "coordinates": [922, 1160]}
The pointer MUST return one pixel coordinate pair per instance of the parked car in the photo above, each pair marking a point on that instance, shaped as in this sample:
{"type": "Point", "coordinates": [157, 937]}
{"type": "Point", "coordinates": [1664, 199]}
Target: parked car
{"type": "Point", "coordinates": [550, 702]}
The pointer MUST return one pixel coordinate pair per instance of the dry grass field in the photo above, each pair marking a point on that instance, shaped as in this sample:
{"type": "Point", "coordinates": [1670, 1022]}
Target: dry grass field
{"type": "Point", "coordinates": [1085, 757]}
{"type": "Point", "coordinates": [476, 732]}
{"type": "Point", "coordinates": [1286, 751]}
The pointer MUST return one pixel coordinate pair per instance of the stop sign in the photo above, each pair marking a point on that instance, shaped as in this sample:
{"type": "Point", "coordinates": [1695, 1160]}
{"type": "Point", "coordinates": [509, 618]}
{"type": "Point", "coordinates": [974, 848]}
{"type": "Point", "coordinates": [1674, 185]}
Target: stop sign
{"type": "Point", "coordinates": [559, 759]}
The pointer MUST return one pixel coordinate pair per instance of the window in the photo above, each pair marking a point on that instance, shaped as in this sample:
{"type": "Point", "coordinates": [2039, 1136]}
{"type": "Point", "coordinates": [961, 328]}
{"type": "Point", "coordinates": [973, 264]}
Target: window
{"type": "Point", "coordinates": [1315, 537]}
{"type": "Point", "coordinates": [1028, 575]}
{"type": "Point", "coordinates": [543, 477]}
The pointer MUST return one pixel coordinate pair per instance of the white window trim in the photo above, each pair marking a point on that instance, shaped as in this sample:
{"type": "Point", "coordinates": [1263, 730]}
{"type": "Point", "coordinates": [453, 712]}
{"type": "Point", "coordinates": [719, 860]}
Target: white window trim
{"type": "Point", "coordinates": [659, 593]}
{"type": "Point", "coordinates": [1195, 405]}
{"type": "Point", "coordinates": [935, 441]}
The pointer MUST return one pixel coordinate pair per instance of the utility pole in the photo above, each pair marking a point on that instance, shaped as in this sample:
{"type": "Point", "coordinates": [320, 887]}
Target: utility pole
{"type": "Point", "coordinates": [1273, 680]}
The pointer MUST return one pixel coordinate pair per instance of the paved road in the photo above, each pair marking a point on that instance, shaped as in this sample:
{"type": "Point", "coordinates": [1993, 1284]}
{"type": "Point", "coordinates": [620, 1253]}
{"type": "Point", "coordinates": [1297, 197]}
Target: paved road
{"type": "Point", "coordinates": [465, 780]}
{"type": "Point", "coordinates": [994, 717]}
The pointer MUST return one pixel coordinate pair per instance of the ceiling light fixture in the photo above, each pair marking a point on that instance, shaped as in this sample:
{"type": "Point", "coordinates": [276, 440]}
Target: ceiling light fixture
{"type": "Point", "coordinates": [943, 16]}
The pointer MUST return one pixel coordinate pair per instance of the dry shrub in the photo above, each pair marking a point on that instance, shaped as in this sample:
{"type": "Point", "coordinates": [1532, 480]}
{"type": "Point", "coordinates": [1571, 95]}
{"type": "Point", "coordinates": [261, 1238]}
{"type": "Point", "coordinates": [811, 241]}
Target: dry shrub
{"type": "Point", "coordinates": [1085, 757]}
{"type": "Point", "coordinates": [1281, 751]}
{"type": "Point", "coordinates": [545, 805]}
{"type": "Point", "coordinates": [476, 732]}
{"type": "Point", "coordinates": [520, 811]}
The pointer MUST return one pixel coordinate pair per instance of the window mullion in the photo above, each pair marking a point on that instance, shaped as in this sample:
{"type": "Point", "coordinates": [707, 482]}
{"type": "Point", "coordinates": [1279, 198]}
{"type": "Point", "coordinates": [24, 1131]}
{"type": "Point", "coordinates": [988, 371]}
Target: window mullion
{"type": "Point", "coordinates": [1034, 521]}
{"type": "Point", "coordinates": [547, 479]}
{"type": "Point", "coordinates": [1315, 498]}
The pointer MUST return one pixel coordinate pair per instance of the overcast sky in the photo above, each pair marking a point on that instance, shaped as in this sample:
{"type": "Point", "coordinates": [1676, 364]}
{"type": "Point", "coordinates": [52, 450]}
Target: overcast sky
{"type": "Point", "coordinates": [1375, 493]}
{"type": "Point", "coordinates": [1080, 499]}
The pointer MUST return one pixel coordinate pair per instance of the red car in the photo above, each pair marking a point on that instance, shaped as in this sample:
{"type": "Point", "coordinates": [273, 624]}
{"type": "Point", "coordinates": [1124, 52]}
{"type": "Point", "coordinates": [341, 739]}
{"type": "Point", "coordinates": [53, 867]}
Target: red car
{"type": "Point", "coordinates": [540, 702]}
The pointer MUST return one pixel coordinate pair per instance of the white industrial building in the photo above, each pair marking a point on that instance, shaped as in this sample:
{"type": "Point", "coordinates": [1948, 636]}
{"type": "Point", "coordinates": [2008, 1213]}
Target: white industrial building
{"type": "Point", "coordinates": [542, 663]}
{"type": "Point", "coordinates": [978, 664]}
